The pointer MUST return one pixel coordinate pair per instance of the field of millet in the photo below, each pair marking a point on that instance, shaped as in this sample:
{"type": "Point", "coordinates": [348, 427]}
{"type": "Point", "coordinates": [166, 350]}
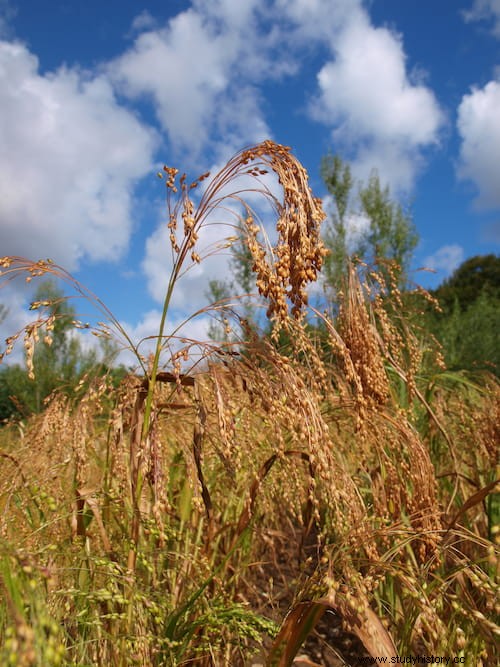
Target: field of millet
{"type": "Point", "coordinates": [330, 490]}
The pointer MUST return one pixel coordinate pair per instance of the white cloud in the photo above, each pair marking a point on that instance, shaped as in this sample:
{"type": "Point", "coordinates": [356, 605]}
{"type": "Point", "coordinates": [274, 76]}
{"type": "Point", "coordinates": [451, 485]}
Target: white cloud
{"type": "Point", "coordinates": [485, 10]}
{"type": "Point", "coordinates": [357, 229]}
{"type": "Point", "coordinates": [203, 72]}
{"type": "Point", "coordinates": [69, 161]}
{"type": "Point", "coordinates": [318, 20]}
{"type": "Point", "coordinates": [7, 13]}
{"type": "Point", "coordinates": [15, 318]}
{"type": "Point", "coordinates": [375, 111]}
{"type": "Point", "coordinates": [478, 124]}
{"type": "Point", "coordinates": [200, 72]}
{"type": "Point", "coordinates": [183, 72]}
{"type": "Point", "coordinates": [446, 259]}
{"type": "Point", "coordinates": [142, 334]}
{"type": "Point", "coordinates": [143, 21]}
{"type": "Point", "coordinates": [70, 158]}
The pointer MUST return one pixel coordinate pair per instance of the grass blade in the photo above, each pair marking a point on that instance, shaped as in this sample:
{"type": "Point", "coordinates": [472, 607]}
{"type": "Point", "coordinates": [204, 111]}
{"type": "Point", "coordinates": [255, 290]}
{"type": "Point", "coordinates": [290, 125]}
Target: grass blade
{"type": "Point", "coordinates": [298, 624]}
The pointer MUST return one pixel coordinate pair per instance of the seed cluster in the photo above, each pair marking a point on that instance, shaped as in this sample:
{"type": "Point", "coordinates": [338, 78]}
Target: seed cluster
{"type": "Point", "coordinates": [298, 255]}
{"type": "Point", "coordinates": [284, 271]}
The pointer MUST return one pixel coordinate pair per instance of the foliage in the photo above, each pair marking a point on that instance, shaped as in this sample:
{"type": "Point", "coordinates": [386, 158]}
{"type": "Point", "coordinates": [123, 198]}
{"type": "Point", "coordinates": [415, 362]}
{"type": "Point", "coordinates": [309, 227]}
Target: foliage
{"type": "Point", "coordinates": [59, 360]}
{"type": "Point", "coordinates": [390, 235]}
{"type": "Point", "coordinates": [476, 276]}
{"type": "Point", "coordinates": [467, 326]}
{"type": "Point", "coordinates": [218, 510]}
{"type": "Point", "coordinates": [15, 389]}
{"type": "Point", "coordinates": [470, 338]}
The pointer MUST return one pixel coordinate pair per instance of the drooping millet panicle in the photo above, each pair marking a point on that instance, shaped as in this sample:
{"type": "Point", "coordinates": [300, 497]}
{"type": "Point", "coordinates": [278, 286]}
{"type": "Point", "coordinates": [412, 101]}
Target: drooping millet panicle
{"type": "Point", "coordinates": [283, 271]}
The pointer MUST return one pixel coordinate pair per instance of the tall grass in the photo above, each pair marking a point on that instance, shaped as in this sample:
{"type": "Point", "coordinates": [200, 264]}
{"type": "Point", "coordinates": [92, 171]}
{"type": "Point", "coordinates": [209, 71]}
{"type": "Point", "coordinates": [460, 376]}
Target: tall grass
{"type": "Point", "coordinates": [203, 514]}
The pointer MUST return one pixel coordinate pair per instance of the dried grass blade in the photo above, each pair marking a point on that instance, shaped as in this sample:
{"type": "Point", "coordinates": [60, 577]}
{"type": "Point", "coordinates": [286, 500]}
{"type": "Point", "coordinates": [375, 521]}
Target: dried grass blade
{"type": "Point", "coordinates": [475, 499]}
{"type": "Point", "coordinates": [364, 623]}
{"type": "Point", "coordinates": [135, 460]}
{"type": "Point", "coordinates": [78, 523]}
{"type": "Point", "coordinates": [298, 624]}
{"type": "Point", "coordinates": [198, 432]}
{"type": "Point", "coordinates": [358, 617]}
{"type": "Point", "coordinates": [165, 376]}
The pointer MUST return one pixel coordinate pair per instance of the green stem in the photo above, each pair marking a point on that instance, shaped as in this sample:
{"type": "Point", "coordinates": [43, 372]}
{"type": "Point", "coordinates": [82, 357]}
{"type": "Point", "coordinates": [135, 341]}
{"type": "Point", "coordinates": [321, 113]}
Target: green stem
{"type": "Point", "coordinates": [148, 407]}
{"type": "Point", "coordinates": [159, 342]}
{"type": "Point", "coordinates": [135, 529]}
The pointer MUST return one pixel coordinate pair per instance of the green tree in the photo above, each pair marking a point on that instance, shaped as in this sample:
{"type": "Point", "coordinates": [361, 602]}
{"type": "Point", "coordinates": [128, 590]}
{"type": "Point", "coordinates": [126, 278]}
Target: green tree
{"type": "Point", "coordinates": [475, 276]}
{"type": "Point", "coordinates": [390, 234]}
{"type": "Point", "coordinates": [338, 179]}
{"type": "Point", "coordinates": [219, 291]}
{"type": "Point", "coordinates": [469, 337]}
{"type": "Point", "coordinates": [469, 323]}
{"type": "Point", "coordinates": [15, 386]}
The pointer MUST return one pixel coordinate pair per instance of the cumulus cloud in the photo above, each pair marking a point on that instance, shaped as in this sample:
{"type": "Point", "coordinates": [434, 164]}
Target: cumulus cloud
{"type": "Point", "coordinates": [485, 10]}
{"type": "Point", "coordinates": [375, 110]}
{"type": "Point", "coordinates": [200, 71]}
{"type": "Point", "coordinates": [203, 72]}
{"type": "Point", "coordinates": [478, 124]}
{"type": "Point", "coordinates": [446, 259]}
{"type": "Point", "coordinates": [70, 158]}
{"type": "Point", "coordinates": [313, 21]}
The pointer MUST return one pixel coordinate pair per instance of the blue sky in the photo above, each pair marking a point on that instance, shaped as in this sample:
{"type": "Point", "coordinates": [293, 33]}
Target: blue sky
{"type": "Point", "coordinates": [96, 96]}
